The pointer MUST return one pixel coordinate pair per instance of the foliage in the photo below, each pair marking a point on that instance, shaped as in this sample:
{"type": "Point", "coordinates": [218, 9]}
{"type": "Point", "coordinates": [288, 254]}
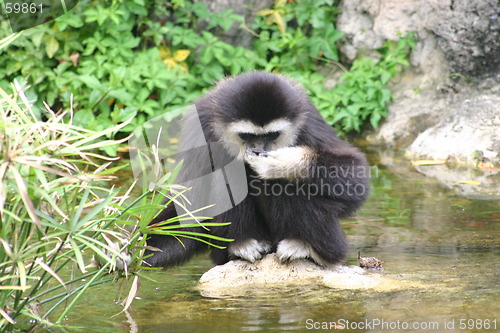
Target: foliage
{"type": "Point", "coordinates": [110, 62]}
{"type": "Point", "coordinates": [362, 94]}
{"type": "Point", "coordinates": [296, 37]}
{"type": "Point", "coordinates": [115, 60]}
{"type": "Point", "coordinates": [57, 211]}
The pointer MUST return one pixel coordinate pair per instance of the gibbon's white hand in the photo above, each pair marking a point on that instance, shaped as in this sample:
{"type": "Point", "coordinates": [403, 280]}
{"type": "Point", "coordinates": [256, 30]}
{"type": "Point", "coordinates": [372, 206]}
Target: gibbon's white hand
{"type": "Point", "coordinates": [288, 162]}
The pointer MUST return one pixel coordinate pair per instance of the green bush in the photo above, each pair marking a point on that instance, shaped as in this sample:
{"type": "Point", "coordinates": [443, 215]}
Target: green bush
{"type": "Point", "coordinates": [362, 95]}
{"type": "Point", "coordinates": [115, 60]}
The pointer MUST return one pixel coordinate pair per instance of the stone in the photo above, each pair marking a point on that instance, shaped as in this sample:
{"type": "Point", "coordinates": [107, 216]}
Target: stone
{"type": "Point", "coordinates": [472, 126]}
{"type": "Point", "coordinates": [447, 121]}
{"type": "Point", "coordinates": [239, 277]}
{"type": "Point", "coordinates": [236, 35]}
{"type": "Point", "coordinates": [462, 35]}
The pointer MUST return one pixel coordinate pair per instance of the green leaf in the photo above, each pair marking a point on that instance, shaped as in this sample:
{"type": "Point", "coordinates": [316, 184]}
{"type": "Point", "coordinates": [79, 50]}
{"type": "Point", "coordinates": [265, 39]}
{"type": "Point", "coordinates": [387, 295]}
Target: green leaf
{"type": "Point", "coordinates": [37, 37]}
{"type": "Point", "coordinates": [122, 95]}
{"type": "Point", "coordinates": [121, 115]}
{"type": "Point", "coordinates": [94, 96]}
{"type": "Point", "coordinates": [69, 19]}
{"type": "Point", "coordinates": [137, 7]}
{"type": "Point", "coordinates": [92, 82]}
{"type": "Point", "coordinates": [51, 46]}
{"type": "Point", "coordinates": [385, 77]}
{"type": "Point", "coordinates": [375, 119]}
{"type": "Point", "coordinates": [117, 76]}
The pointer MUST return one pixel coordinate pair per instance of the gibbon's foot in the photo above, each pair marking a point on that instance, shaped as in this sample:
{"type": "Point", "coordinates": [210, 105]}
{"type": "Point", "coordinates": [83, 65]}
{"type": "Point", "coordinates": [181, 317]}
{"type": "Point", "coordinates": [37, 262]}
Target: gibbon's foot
{"type": "Point", "coordinates": [292, 249]}
{"type": "Point", "coordinates": [249, 249]}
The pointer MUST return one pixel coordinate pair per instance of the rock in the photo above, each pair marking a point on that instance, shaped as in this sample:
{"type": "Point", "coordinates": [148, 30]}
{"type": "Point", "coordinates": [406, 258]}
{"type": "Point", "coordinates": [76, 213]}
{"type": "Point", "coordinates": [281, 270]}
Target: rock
{"type": "Point", "coordinates": [473, 125]}
{"type": "Point", "coordinates": [454, 122]}
{"type": "Point", "coordinates": [468, 32]}
{"type": "Point", "coordinates": [239, 277]}
{"type": "Point", "coordinates": [454, 35]}
{"type": "Point", "coordinates": [451, 121]}
{"type": "Point", "coordinates": [437, 112]}
{"type": "Point", "coordinates": [447, 105]}
{"type": "Point", "coordinates": [235, 35]}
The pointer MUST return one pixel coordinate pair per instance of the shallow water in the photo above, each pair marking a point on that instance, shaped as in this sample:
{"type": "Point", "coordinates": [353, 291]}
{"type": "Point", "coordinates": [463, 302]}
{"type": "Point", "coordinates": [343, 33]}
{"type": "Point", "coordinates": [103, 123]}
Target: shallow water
{"type": "Point", "coordinates": [421, 230]}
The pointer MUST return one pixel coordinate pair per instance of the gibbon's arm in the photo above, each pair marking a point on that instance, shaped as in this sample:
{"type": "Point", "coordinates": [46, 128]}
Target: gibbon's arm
{"type": "Point", "coordinates": [341, 173]}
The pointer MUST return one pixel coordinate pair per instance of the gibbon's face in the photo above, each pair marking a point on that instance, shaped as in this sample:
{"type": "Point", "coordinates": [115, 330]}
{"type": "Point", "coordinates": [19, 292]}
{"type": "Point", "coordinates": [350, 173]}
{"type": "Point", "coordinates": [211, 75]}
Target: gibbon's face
{"type": "Point", "coordinates": [258, 110]}
{"type": "Point", "coordinates": [276, 134]}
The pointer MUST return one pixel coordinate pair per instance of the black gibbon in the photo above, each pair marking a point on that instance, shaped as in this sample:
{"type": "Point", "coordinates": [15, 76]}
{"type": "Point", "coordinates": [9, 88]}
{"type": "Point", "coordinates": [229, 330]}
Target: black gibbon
{"type": "Point", "coordinates": [301, 177]}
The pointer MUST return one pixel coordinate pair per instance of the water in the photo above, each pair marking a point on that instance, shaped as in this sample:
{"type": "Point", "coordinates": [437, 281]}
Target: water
{"type": "Point", "coordinates": [421, 230]}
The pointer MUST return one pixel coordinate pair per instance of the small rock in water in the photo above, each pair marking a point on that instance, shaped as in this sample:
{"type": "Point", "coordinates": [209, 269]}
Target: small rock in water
{"type": "Point", "coordinates": [369, 262]}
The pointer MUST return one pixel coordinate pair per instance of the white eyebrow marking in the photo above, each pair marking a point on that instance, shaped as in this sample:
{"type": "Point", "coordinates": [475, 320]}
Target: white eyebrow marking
{"type": "Point", "coordinates": [277, 125]}
{"type": "Point", "coordinates": [246, 126]}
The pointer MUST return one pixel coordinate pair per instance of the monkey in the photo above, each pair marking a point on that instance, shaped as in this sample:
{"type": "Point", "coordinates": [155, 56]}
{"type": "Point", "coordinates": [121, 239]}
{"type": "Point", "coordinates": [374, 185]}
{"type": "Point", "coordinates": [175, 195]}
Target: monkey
{"type": "Point", "coordinates": [300, 176]}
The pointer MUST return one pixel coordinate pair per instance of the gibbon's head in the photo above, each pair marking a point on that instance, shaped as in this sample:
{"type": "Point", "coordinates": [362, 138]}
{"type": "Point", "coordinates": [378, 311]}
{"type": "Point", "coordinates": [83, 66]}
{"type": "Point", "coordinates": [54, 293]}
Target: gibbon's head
{"type": "Point", "coordinates": [258, 110]}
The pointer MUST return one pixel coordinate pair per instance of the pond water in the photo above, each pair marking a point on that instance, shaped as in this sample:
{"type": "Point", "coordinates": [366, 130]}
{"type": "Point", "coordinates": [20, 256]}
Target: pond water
{"type": "Point", "coordinates": [420, 229]}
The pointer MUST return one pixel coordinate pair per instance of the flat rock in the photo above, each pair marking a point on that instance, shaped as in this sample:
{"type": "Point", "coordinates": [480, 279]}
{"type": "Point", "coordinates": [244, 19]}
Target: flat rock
{"type": "Point", "coordinates": [472, 127]}
{"type": "Point", "coordinates": [239, 277]}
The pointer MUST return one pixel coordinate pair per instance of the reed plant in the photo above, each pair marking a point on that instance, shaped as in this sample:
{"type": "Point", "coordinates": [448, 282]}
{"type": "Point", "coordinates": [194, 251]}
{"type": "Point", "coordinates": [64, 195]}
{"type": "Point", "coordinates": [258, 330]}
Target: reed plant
{"type": "Point", "coordinates": [64, 227]}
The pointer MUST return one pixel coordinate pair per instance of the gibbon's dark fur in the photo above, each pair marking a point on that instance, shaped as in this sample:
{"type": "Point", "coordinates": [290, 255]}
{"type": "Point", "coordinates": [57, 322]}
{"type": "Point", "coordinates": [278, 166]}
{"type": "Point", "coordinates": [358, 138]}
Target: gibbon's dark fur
{"type": "Point", "coordinates": [263, 97]}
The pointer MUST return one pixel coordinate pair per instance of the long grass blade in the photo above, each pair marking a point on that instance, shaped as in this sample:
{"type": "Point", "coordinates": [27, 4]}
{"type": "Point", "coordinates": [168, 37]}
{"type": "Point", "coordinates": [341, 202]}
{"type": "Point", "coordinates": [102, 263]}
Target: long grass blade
{"type": "Point", "coordinates": [132, 293]}
{"type": "Point", "coordinates": [3, 171]}
{"type": "Point", "coordinates": [78, 213]}
{"type": "Point", "coordinates": [50, 271]}
{"type": "Point", "coordinates": [78, 255]}
{"type": "Point", "coordinates": [84, 142]}
{"type": "Point", "coordinates": [23, 191]}
{"type": "Point", "coordinates": [6, 316]}
{"type": "Point", "coordinates": [23, 278]}
{"type": "Point", "coordinates": [93, 213]}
